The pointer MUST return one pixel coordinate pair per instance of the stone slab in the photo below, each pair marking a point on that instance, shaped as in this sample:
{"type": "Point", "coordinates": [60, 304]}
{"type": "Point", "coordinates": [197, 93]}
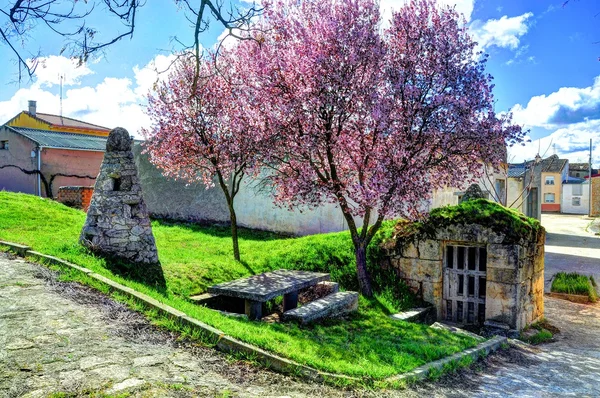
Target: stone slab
{"type": "Point", "coordinates": [576, 298]}
{"type": "Point", "coordinates": [417, 315]}
{"type": "Point", "coordinates": [333, 305]}
{"type": "Point", "coordinates": [18, 248]}
{"type": "Point", "coordinates": [266, 286]}
{"type": "Point", "coordinates": [457, 330]}
{"type": "Point", "coordinates": [56, 261]}
{"type": "Point", "coordinates": [203, 298]}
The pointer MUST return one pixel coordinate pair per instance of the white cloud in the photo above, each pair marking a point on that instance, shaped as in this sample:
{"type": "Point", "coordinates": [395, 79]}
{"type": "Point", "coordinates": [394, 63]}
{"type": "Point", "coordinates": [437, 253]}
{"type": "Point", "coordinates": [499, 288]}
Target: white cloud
{"type": "Point", "coordinates": [571, 114]}
{"type": "Point", "coordinates": [571, 142]}
{"type": "Point", "coordinates": [111, 103]}
{"type": "Point", "coordinates": [49, 69]}
{"type": "Point", "coordinates": [567, 105]}
{"type": "Point", "coordinates": [504, 32]}
{"type": "Point", "coordinates": [155, 71]}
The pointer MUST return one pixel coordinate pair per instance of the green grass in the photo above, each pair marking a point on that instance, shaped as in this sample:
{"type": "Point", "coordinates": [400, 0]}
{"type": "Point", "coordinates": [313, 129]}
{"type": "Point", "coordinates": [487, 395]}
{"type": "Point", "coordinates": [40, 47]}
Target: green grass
{"type": "Point", "coordinates": [369, 344]}
{"type": "Point", "coordinates": [574, 283]}
{"type": "Point", "coordinates": [543, 332]}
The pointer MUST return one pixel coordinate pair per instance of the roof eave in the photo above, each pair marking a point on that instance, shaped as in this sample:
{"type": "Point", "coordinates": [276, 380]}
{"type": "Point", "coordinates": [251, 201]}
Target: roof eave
{"type": "Point", "coordinates": [21, 134]}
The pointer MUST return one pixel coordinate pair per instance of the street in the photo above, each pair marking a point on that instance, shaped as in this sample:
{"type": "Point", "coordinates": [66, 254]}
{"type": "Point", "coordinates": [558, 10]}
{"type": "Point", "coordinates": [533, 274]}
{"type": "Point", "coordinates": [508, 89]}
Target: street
{"type": "Point", "coordinates": [569, 246]}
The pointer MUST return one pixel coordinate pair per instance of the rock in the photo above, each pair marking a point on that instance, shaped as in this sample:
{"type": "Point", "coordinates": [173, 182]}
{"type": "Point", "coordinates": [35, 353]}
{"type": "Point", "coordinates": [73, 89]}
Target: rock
{"type": "Point", "coordinates": [118, 141]}
{"type": "Point", "coordinates": [473, 192]}
{"type": "Point", "coordinates": [147, 361]}
{"type": "Point", "coordinates": [126, 386]}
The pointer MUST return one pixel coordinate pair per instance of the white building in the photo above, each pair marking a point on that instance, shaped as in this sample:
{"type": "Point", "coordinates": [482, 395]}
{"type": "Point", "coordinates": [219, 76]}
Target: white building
{"type": "Point", "coordinates": [575, 198]}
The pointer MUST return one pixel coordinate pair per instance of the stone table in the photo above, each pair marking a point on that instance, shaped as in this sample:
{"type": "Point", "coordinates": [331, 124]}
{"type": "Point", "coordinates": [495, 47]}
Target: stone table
{"type": "Point", "coordinates": [258, 289]}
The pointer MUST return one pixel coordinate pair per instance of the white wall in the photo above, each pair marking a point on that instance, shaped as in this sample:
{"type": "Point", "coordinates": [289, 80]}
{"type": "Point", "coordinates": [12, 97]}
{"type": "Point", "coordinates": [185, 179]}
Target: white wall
{"type": "Point", "coordinates": [168, 198]}
{"type": "Point", "coordinates": [449, 195]}
{"type": "Point", "coordinates": [514, 198]}
{"type": "Point", "coordinates": [256, 210]}
{"type": "Point", "coordinates": [567, 199]}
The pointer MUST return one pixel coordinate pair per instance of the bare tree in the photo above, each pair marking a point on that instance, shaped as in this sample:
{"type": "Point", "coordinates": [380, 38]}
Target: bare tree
{"type": "Point", "coordinates": [69, 19]}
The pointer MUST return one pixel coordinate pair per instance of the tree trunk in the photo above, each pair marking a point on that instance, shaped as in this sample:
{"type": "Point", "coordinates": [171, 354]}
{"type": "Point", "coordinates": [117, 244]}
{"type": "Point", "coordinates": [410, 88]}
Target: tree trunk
{"type": "Point", "coordinates": [234, 233]}
{"type": "Point", "coordinates": [364, 281]}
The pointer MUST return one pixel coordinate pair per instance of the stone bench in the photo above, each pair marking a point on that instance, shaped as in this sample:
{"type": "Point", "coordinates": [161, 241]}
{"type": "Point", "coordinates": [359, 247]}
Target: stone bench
{"type": "Point", "coordinates": [335, 304]}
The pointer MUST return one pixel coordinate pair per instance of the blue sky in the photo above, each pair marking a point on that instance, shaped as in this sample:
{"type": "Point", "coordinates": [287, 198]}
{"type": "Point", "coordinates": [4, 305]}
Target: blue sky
{"type": "Point", "coordinates": [543, 56]}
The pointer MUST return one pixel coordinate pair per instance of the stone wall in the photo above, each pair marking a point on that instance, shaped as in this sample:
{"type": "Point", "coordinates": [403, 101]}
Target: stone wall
{"type": "Point", "coordinates": [514, 278]}
{"type": "Point", "coordinates": [75, 196]}
{"type": "Point", "coordinates": [595, 197]}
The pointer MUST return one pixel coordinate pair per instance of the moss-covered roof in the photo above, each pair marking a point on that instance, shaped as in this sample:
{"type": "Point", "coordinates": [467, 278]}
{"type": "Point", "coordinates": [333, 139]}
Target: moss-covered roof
{"type": "Point", "coordinates": [513, 224]}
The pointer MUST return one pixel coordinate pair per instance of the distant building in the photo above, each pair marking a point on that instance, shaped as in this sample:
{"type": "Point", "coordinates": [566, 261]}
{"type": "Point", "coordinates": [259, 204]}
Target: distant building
{"type": "Point", "coordinates": [580, 170]}
{"type": "Point", "coordinates": [536, 186]}
{"type": "Point", "coordinates": [554, 172]}
{"type": "Point", "coordinates": [62, 149]}
{"type": "Point", "coordinates": [575, 196]}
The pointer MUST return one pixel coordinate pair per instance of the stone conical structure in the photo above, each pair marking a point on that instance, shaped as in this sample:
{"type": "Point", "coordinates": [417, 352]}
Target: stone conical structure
{"type": "Point", "coordinates": [117, 223]}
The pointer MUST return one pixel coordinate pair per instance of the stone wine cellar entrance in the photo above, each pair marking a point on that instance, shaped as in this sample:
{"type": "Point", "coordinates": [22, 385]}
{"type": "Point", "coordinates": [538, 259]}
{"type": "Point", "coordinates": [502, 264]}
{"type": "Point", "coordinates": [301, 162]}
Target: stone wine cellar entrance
{"type": "Point", "coordinates": [464, 282]}
{"type": "Point", "coordinates": [485, 268]}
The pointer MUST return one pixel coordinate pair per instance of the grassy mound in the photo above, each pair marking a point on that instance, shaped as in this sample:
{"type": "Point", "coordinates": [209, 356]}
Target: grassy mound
{"type": "Point", "coordinates": [369, 344]}
{"type": "Point", "coordinates": [513, 224]}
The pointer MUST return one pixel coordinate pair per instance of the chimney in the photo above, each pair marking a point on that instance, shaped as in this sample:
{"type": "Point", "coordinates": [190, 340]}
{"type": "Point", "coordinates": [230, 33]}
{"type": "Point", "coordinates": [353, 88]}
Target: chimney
{"type": "Point", "coordinates": [32, 107]}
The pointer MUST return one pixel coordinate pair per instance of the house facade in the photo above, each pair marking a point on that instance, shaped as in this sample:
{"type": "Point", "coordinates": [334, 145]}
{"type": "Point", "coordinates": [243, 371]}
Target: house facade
{"type": "Point", "coordinates": [41, 152]}
{"type": "Point", "coordinates": [575, 197]}
{"type": "Point", "coordinates": [554, 172]}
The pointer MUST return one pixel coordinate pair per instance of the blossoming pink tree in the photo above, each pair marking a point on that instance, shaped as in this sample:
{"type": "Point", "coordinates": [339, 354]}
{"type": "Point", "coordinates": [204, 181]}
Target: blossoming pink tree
{"type": "Point", "coordinates": [372, 121]}
{"type": "Point", "coordinates": [201, 133]}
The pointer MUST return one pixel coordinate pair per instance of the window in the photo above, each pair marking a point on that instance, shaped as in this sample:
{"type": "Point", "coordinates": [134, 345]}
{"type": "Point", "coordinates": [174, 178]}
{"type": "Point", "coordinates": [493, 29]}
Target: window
{"type": "Point", "coordinates": [549, 180]}
{"type": "Point", "coordinates": [549, 198]}
{"type": "Point", "coordinates": [577, 190]}
{"type": "Point", "coordinates": [3, 144]}
{"type": "Point", "coordinates": [576, 201]}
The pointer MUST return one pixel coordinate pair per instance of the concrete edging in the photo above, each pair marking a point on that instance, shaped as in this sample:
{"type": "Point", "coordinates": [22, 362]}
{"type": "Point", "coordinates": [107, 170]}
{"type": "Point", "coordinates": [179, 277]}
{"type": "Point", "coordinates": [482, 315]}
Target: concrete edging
{"type": "Point", "coordinates": [574, 298]}
{"type": "Point", "coordinates": [422, 372]}
{"type": "Point", "coordinates": [229, 344]}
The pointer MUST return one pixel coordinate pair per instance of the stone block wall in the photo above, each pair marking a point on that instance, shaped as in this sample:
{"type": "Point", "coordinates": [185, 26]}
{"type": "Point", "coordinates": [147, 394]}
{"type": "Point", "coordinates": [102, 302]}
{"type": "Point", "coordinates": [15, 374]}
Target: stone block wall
{"type": "Point", "coordinates": [595, 211]}
{"type": "Point", "coordinates": [514, 275]}
{"type": "Point", "coordinates": [76, 196]}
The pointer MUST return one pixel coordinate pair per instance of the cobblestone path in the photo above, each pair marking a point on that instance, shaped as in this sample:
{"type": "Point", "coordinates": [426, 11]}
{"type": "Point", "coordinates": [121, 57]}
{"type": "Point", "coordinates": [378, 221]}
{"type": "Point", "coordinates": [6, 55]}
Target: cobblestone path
{"type": "Point", "coordinates": [64, 338]}
{"type": "Point", "coordinates": [61, 337]}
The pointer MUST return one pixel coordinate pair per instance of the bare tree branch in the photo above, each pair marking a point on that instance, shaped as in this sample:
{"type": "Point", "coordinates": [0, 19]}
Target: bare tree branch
{"type": "Point", "coordinates": [68, 19]}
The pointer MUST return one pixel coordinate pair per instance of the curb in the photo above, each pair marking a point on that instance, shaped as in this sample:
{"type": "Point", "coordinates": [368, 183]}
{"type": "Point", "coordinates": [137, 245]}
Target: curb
{"type": "Point", "coordinates": [229, 344]}
{"type": "Point", "coordinates": [422, 372]}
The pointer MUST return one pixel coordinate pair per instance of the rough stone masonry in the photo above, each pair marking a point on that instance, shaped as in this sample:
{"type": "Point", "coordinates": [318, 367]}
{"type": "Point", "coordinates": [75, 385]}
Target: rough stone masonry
{"type": "Point", "coordinates": [117, 223]}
